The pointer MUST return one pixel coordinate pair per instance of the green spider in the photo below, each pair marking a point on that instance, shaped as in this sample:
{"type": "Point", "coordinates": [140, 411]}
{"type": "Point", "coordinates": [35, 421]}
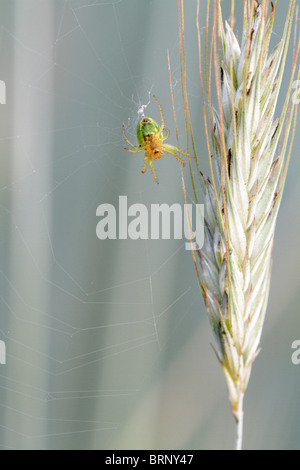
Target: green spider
{"type": "Point", "coordinates": [150, 137]}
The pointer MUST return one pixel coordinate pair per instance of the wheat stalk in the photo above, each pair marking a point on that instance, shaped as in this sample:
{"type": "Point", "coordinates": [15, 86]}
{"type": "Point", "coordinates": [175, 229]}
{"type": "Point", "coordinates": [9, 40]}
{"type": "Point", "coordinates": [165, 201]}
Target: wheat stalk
{"type": "Point", "coordinates": [249, 148]}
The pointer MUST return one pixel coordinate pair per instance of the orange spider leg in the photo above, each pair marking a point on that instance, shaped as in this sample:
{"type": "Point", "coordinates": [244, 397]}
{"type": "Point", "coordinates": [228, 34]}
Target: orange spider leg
{"type": "Point", "coordinates": [168, 133]}
{"type": "Point", "coordinates": [152, 168]}
{"type": "Point", "coordinates": [162, 126]}
{"type": "Point", "coordinates": [133, 151]}
{"type": "Point", "coordinates": [176, 149]}
{"type": "Point", "coordinates": [136, 149]}
{"type": "Point", "coordinates": [167, 150]}
{"type": "Point", "coordinates": [145, 163]}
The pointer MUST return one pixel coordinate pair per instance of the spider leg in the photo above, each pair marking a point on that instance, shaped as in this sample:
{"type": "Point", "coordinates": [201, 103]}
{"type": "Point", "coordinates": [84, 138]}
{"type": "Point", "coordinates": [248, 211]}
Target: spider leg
{"type": "Point", "coordinates": [137, 149]}
{"type": "Point", "coordinates": [168, 150]}
{"type": "Point", "coordinates": [152, 168]}
{"type": "Point", "coordinates": [134, 151]}
{"type": "Point", "coordinates": [171, 147]}
{"type": "Point", "coordinates": [168, 133]}
{"type": "Point", "coordinates": [145, 163]}
{"type": "Point", "coordinates": [162, 126]}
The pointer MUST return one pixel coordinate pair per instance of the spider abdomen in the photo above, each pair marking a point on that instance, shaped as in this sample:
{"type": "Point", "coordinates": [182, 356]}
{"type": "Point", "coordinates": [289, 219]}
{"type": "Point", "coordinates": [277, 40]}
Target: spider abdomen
{"type": "Point", "coordinates": [146, 128]}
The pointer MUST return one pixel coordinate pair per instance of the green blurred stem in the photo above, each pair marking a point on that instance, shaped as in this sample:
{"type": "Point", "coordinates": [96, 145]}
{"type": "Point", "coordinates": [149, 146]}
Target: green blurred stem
{"type": "Point", "coordinates": [239, 417]}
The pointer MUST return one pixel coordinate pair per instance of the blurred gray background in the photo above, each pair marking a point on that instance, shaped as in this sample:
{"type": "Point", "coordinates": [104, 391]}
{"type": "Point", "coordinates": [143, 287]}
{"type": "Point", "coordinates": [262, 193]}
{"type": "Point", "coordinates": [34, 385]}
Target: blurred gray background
{"type": "Point", "coordinates": [107, 342]}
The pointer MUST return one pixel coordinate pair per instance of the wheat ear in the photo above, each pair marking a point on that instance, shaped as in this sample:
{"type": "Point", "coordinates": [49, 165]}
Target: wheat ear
{"type": "Point", "coordinates": [249, 154]}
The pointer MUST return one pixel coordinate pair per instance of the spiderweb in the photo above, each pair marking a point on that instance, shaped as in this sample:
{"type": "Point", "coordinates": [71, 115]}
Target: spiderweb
{"type": "Point", "coordinates": [84, 321]}
{"type": "Point", "coordinates": [103, 339]}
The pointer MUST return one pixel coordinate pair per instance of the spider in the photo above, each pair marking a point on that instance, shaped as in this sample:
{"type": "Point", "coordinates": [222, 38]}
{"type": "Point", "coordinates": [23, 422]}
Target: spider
{"type": "Point", "coordinates": [150, 137]}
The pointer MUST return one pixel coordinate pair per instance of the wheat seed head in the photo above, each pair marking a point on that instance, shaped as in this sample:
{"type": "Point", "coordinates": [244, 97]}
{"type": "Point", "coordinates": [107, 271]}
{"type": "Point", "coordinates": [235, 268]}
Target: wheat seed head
{"type": "Point", "coordinates": [251, 149]}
